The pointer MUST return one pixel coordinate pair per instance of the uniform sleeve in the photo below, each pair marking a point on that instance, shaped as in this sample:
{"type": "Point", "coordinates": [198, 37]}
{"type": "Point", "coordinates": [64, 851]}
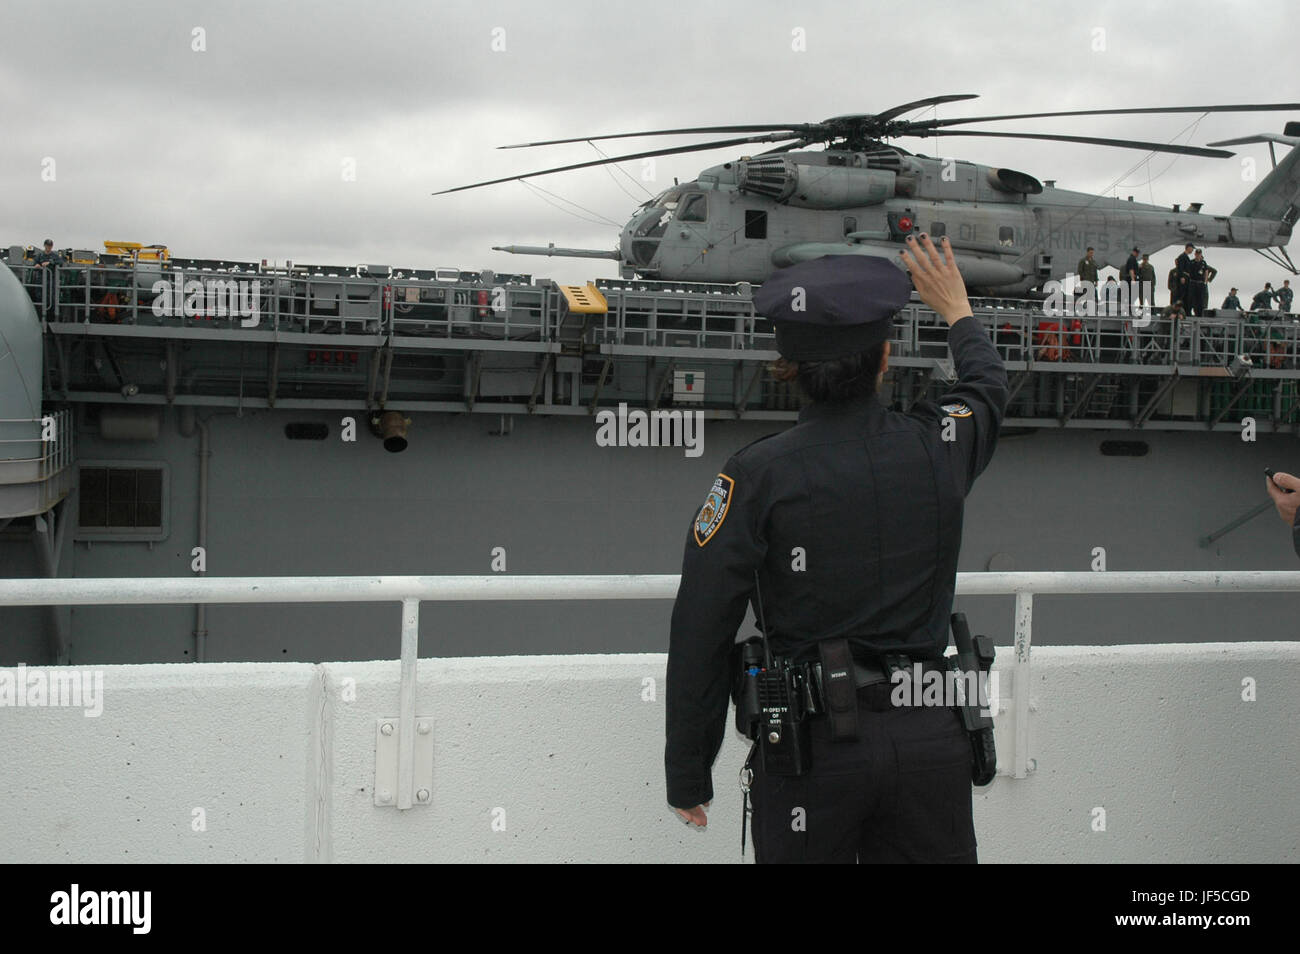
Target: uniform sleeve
{"type": "Point", "coordinates": [724, 547]}
{"type": "Point", "coordinates": [978, 401]}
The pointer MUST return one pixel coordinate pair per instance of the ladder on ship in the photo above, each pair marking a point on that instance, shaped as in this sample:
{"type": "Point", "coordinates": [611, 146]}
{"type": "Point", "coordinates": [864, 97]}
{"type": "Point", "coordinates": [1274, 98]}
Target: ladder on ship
{"type": "Point", "coordinates": [1090, 396]}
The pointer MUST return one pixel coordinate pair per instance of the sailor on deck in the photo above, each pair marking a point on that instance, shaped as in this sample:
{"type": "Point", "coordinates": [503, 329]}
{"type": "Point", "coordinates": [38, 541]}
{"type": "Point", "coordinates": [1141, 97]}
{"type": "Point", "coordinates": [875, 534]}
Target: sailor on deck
{"type": "Point", "coordinates": [46, 263]}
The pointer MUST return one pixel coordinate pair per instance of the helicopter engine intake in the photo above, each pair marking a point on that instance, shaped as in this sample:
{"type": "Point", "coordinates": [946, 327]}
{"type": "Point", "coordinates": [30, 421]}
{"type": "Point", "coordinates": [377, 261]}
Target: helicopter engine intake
{"type": "Point", "coordinates": [809, 186]}
{"type": "Point", "coordinates": [1016, 183]}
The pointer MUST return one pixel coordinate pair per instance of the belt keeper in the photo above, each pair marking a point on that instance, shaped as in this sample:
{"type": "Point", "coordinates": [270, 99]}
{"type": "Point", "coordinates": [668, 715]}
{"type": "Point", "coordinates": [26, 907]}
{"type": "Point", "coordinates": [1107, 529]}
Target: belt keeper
{"type": "Point", "coordinates": [839, 689]}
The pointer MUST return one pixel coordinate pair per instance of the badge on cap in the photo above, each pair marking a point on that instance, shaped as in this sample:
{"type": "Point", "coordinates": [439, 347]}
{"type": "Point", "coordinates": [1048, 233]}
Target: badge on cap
{"type": "Point", "coordinates": [714, 510]}
{"type": "Point", "coordinates": [957, 409]}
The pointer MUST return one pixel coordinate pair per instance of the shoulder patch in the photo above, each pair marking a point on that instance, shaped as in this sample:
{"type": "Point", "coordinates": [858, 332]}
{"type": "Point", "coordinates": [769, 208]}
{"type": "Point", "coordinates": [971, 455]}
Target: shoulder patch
{"type": "Point", "coordinates": [957, 409]}
{"type": "Point", "coordinates": [714, 510]}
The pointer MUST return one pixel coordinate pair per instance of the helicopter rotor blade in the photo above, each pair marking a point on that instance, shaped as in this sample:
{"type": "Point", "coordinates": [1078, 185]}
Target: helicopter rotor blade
{"type": "Point", "coordinates": [797, 144]}
{"type": "Point", "coordinates": [920, 104]}
{"type": "Point", "coordinates": [1240, 108]}
{"type": "Point", "coordinates": [699, 147]}
{"type": "Point", "coordinates": [770, 127]}
{"type": "Point", "coordinates": [855, 129]}
{"type": "Point", "coordinates": [1092, 141]}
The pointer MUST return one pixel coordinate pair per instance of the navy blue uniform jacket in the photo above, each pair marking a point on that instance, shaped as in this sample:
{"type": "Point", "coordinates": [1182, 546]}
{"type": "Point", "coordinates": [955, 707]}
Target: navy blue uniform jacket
{"type": "Point", "coordinates": [853, 520]}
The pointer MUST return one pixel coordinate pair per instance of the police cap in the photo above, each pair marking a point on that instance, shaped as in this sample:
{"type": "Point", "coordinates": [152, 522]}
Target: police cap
{"type": "Point", "coordinates": [833, 306]}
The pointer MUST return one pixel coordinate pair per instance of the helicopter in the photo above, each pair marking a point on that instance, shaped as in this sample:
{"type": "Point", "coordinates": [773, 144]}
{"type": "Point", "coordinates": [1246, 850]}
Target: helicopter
{"type": "Point", "coordinates": [862, 195]}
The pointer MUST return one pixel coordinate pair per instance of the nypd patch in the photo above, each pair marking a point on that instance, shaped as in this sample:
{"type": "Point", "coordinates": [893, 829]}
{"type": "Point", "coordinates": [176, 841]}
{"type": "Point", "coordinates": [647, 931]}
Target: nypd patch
{"type": "Point", "coordinates": [957, 409]}
{"type": "Point", "coordinates": [714, 510]}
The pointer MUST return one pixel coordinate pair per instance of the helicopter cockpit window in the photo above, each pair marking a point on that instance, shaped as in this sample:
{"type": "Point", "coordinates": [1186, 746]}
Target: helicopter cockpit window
{"type": "Point", "coordinates": [669, 197]}
{"type": "Point", "coordinates": [1006, 235]}
{"type": "Point", "coordinates": [652, 222]}
{"type": "Point", "coordinates": [850, 224]}
{"type": "Point", "coordinates": [755, 224]}
{"type": "Point", "coordinates": [655, 225]}
{"type": "Point", "coordinates": [694, 208]}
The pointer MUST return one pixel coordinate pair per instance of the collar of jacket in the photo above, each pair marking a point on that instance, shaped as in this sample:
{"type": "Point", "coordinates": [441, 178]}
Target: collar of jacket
{"type": "Point", "coordinates": [858, 407]}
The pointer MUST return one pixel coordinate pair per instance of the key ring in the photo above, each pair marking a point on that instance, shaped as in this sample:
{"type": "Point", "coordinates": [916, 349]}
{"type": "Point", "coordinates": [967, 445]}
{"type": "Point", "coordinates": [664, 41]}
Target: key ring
{"type": "Point", "coordinates": [747, 773]}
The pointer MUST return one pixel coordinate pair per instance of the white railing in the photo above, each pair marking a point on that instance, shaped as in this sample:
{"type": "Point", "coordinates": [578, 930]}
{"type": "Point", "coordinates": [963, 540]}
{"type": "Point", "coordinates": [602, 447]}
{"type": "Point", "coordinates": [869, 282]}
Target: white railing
{"type": "Point", "coordinates": [410, 591]}
{"type": "Point", "coordinates": [22, 464]}
{"type": "Point", "coordinates": [55, 453]}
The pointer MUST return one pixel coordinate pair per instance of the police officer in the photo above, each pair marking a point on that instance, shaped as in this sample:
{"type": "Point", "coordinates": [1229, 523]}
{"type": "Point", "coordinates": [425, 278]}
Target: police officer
{"type": "Point", "coordinates": [852, 520]}
{"type": "Point", "coordinates": [1199, 275]}
{"type": "Point", "coordinates": [1232, 301]}
{"type": "Point", "coordinates": [1183, 265]}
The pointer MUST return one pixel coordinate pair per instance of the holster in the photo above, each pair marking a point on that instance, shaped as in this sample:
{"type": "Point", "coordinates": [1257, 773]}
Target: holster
{"type": "Point", "coordinates": [839, 689]}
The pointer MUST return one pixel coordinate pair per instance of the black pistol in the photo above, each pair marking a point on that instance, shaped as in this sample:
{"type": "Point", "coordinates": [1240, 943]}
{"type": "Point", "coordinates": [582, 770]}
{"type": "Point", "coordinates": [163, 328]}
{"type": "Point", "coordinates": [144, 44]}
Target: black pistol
{"type": "Point", "coordinates": [973, 661]}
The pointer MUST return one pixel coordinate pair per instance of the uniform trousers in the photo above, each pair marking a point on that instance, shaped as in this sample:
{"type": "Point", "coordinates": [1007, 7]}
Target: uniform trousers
{"type": "Point", "coordinates": [900, 793]}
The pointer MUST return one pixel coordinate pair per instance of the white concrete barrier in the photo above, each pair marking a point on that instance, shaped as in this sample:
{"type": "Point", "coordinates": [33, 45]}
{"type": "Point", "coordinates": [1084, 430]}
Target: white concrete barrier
{"type": "Point", "coordinates": [1178, 753]}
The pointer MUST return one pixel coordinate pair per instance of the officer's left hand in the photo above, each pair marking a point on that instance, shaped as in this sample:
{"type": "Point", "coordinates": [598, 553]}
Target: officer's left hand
{"type": "Point", "coordinates": [695, 815]}
{"type": "Point", "coordinates": [1286, 503]}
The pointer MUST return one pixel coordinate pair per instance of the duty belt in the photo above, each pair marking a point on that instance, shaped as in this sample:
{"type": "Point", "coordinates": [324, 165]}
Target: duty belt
{"type": "Point", "coordinates": [831, 683]}
{"type": "Point", "coordinates": [865, 674]}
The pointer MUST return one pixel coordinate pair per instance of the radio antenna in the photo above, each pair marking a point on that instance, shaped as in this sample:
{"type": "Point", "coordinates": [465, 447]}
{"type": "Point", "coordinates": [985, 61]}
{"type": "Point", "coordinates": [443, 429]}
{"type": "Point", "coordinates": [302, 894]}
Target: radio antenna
{"type": "Point", "coordinates": [762, 624]}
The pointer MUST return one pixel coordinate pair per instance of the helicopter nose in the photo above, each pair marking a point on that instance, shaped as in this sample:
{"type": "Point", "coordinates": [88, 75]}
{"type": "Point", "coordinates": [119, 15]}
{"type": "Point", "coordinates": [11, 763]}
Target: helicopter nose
{"type": "Point", "coordinates": [637, 250]}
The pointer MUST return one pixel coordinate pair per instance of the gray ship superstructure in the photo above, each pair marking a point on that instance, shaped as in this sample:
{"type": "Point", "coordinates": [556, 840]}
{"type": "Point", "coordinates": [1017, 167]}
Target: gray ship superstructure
{"type": "Point", "coordinates": [173, 417]}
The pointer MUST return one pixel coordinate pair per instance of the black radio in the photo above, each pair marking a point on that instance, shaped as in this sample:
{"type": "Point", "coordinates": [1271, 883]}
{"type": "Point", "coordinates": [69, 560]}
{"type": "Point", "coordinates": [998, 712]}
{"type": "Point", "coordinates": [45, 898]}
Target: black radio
{"type": "Point", "coordinates": [772, 704]}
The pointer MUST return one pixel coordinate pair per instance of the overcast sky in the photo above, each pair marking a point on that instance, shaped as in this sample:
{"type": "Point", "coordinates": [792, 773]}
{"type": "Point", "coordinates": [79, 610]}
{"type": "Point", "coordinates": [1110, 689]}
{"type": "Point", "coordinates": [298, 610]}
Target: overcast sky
{"type": "Point", "coordinates": [238, 150]}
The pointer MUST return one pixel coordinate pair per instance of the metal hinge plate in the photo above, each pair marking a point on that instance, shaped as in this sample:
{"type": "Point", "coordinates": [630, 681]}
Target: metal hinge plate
{"type": "Point", "coordinates": [387, 748]}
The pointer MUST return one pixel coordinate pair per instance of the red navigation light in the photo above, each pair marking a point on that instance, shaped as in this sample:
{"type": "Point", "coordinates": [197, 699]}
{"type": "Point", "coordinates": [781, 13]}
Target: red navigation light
{"type": "Point", "coordinates": [905, 224]}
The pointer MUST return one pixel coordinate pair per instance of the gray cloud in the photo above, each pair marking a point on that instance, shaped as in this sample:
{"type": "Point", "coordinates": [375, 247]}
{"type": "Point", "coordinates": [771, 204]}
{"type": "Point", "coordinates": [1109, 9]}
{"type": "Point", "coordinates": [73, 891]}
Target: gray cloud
{"type": "Point", "coordinates": [237, 151]}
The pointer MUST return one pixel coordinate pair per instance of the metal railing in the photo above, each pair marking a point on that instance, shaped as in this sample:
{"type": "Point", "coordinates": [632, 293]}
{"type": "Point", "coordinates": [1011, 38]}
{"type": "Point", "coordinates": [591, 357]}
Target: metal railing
{"type": "Point", "coordinates": [641, 315]}
{"type": "Point", "coordinates": [54, 454]}
{"type": "Point", "coordinates": [410, 591]}
{"type": "Point", "coordinates": [155, 294]}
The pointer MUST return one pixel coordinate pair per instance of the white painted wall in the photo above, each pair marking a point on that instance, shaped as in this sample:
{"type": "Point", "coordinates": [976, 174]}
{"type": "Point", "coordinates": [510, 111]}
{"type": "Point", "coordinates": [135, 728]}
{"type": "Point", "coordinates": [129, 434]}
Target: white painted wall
{"type": "Point", "coordinates": [1157, 736]}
